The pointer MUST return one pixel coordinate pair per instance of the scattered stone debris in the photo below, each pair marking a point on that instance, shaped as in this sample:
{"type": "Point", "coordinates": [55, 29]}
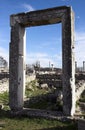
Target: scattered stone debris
{"type": "Point", "coordinates": [4, 85]}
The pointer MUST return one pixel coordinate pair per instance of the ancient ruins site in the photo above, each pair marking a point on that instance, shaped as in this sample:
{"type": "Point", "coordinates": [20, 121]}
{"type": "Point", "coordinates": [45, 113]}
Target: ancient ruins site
{"type": "Point", "coordinates": [62, 87]}
{"type": "Point", "coordinates": [17, 66]}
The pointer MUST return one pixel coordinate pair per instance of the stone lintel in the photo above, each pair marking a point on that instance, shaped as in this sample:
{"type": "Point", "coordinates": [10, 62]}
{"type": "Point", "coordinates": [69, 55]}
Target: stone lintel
{"type": "Point", "coordinates": [39, 17]}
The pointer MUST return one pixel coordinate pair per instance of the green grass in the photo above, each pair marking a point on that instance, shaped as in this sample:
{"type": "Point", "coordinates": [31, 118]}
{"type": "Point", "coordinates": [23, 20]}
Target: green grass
{"type": "Point", "coordinates": [37, 92]}
{"type": "Point", "coordinates": [25, 123]}
{"type": "Point", "coordinates": [43, 104]}
{"type": "Point", "coordinates": [34, 90]}
{"type": "Point", "coordinates": [4, 97]}
{"type": "Point", "coordinates": [40, 97]}
{"type": "Point", "coordinates": [34, 124]}
{"type": "Point", "coordinates": [4, 100]}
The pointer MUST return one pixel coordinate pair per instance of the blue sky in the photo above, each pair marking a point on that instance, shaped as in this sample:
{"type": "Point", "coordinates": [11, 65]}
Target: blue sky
{"type": "Point", "coordinates": [42, 43]}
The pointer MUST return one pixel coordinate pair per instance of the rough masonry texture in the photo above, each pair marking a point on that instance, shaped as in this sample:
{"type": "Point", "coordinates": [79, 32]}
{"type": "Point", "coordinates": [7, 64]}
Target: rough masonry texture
{"type": "Point", "coordinates": [19, 22]}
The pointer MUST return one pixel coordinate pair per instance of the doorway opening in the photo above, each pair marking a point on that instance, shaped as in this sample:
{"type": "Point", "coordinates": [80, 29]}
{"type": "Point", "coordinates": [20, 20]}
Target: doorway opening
{"type": "Point", "coordinates": [43, 88]}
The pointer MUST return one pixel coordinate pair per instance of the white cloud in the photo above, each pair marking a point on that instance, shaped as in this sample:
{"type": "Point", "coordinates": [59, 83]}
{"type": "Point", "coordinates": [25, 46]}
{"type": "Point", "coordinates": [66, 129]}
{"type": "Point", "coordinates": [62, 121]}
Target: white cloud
{"type": "Point", "coordinates": [80, 36]}
{"type": "Point", "coordinates": [28, 7]}
{"type": "Point", "coordinates": [37, 55]}
{"type": "Point", "coordinates": [42, 57]}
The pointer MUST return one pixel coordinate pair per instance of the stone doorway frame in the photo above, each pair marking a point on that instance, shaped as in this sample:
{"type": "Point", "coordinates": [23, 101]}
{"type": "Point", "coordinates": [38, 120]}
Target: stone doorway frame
{"type": "Point", "coordinates": [19, 22]}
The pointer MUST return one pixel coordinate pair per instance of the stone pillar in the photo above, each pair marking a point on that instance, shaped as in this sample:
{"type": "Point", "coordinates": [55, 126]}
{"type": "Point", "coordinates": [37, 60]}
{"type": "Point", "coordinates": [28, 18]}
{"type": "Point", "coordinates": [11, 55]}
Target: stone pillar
{"type": "Point", "coordinates": [49, 64]}
{"type": "Point", "coordinates": [68, 63]}
{"type": "Point", "coordinates": [84, 66]}
{"type": "Point", "coordinates": [75, 66]}
{"type": "Point", "coordinates": [17, 66]}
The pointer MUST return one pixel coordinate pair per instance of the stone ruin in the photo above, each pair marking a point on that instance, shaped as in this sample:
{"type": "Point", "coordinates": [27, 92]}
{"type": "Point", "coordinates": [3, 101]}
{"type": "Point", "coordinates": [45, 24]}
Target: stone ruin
{"type": "Point", "coordinates": [18, 24]}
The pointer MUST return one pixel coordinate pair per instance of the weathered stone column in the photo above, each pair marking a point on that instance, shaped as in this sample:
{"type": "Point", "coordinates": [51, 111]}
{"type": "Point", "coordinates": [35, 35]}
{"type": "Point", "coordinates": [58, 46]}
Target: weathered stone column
{"type": "Point", "coordinates": [83, 66]}
{"type": "Point", "coordinates": [75, 66]}
{"type": "Point", "coordinates": [68, 62]}
{"type": "Point", "coordinates": [16, 66]}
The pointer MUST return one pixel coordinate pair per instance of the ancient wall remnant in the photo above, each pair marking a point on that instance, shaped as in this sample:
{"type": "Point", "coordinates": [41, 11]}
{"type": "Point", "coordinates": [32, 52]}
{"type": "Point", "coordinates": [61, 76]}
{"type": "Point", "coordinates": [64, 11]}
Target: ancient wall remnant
{"type": "Point", "coordinates": [19, 22]}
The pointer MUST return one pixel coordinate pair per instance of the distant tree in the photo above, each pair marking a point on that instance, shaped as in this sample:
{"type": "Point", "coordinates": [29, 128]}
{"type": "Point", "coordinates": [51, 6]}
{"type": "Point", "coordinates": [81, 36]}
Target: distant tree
{"type": "Point", "coordinates": [36, 64]}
